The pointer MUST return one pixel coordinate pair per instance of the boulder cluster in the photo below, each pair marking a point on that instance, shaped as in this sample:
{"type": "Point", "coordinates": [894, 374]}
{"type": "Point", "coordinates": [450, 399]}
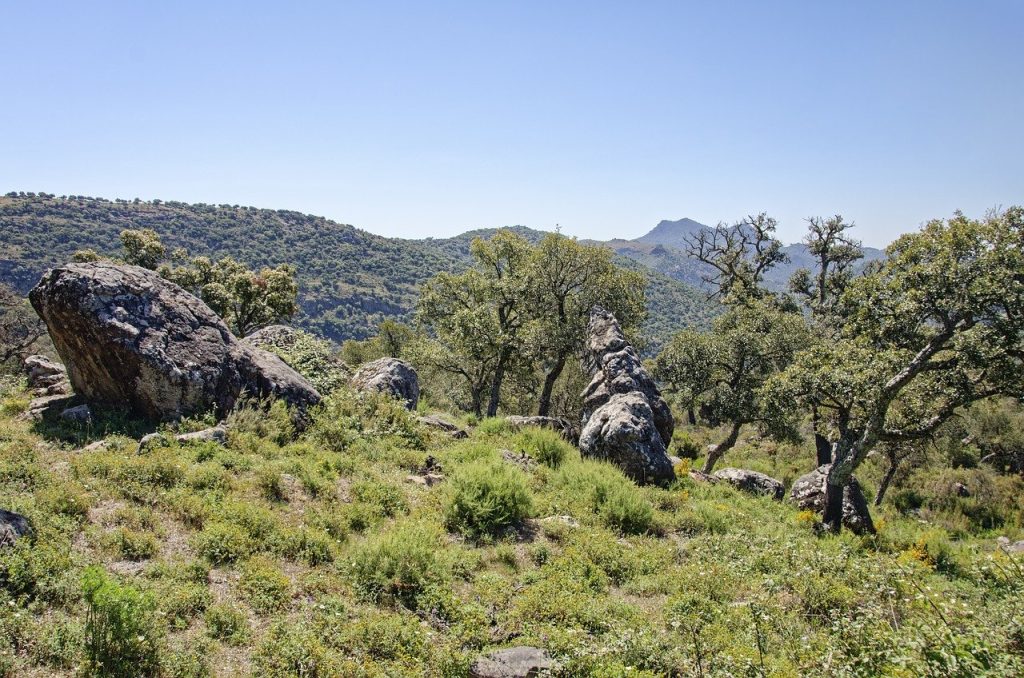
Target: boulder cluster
{"type": "Point", "coordinates": [626, 421]}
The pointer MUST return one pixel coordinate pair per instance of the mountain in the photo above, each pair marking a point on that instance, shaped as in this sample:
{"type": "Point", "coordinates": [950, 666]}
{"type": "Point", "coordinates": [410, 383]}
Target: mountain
{"type": "Point", "coordinates": [349, 279]}
{"type": "Point", "coordinates": [663, 249]}
{"type": "Point", "coordinates": [672, 233]}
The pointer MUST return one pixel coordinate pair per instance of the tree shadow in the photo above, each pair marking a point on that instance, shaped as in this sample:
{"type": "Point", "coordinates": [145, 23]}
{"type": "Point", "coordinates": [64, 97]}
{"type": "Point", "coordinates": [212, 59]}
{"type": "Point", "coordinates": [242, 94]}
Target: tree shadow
{"type": "Point", "coordinates": [105, 421]}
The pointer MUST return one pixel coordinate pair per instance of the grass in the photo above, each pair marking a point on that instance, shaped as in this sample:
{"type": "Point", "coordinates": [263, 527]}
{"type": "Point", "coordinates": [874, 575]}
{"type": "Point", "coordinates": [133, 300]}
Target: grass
{"type": "Point", "coordinates": [284, 554]}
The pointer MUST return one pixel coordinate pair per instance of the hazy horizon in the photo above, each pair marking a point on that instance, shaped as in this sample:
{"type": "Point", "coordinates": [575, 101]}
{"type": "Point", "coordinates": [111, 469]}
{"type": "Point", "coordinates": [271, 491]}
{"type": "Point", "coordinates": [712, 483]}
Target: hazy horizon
{"type": "Point", "coordinates": [416, 121]}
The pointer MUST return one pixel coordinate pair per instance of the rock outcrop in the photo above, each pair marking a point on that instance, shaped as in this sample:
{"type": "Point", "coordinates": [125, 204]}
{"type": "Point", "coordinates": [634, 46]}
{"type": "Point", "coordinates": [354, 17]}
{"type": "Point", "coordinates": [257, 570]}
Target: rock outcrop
{"type": "Point", "coordinates": [133, 340]}
{"type": "Point", "coordinates": [809, 494]}
{"type": "Point", "coordinates": [626, 421]}
{"type": "Point", "coordinates": [392, 376]}
{"type": "Point", "coordinates": [752, 481]}
{"type": "Point", "coordinates": [435, 421]}
{"type": "Point", "coordinates": [622, 431]}
{"type": "Point", "coordinates": [618, 369]}
{"type": "Point", "coordinates": [13, 526]}
{"type": "Point", "coordinates": [563, 426]}
{"type": "Point", "coordinates": [514, 662]}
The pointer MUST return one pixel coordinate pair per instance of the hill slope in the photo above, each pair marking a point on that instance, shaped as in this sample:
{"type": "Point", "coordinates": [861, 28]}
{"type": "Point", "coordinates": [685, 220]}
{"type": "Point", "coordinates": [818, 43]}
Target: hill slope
{"type": "Point", "coordinates": [349, 279]}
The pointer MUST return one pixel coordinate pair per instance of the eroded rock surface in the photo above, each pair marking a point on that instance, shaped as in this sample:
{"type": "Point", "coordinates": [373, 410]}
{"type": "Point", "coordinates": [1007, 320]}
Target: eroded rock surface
{"type": "Point", "coordinates": [752, 481]}
{"type": "Point", "coordinates": [13, 526]}
{"type": "Point", "coordinates": [626, 421]}
{"type": "Point", "coordinates": [392, 376]}
{"type": "Point", "coordinates": [622, 431]}
{"type": "Point", "coordinates": [514, 662]}
{"type": "Point", "coordinates": [133, 340]}
{"type": "Point", "coordinates": [562, 426]}
{"type": "Point", "coordinates": [809, 494]}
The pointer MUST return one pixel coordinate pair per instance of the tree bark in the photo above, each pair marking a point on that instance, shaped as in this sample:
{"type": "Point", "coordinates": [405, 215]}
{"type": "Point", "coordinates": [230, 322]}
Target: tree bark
{"type": "Point", "coordinates": [691, 416]}
{"type": "Point", "coordinates": [832, 520]}
{"type": "Point", "coordinates": [890, 473]}
{"type": "Point", "coordinates": [549, 385]}
{"type": "Point", "coordinates": [822, 447]}
{"type": "Point", "coordinates": [499, 376]}
{"type": "Point", "coordinates": [715, 452]}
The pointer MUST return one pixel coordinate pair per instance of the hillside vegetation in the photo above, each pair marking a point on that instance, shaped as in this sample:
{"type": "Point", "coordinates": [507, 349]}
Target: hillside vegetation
{"type": "Point", "coordinates": [349, 280]}
{"type": "Point", "coordinates": [316, 555]}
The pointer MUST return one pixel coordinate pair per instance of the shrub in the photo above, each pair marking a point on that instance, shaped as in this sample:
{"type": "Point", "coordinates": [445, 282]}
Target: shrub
{"type": "Point", "coordinates": [399, 563]}
{"type": "Point", "coordinates": [264, 586]}
{"type": "Point", "coordinates": [626, 509]}
{"type": "Point", "coordinates": [684, 446]}
{"type": "Point", "coordinates": [227, 623]}
{"type": "Point", "coordinates": [223, 543]}
{"type": "Point", "coordinates": [67, 499]}
{"type": "Point", "coordinates": [288, 650]}
{"type": "Point", "coordinates": [494, 426]}
{"type": "Point", "coordinates": [546, 446]}
{"type": "Point", "coordinates": [129, 544]}
{"type": "Point", "coordinates": [121, 634]}
{"type": "Point", "coordinates": [486, 496]}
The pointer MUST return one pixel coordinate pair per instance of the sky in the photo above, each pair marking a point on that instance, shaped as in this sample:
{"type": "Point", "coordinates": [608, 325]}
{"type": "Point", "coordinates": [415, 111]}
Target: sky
{"type": "Point", "coordinates": [603, 118]}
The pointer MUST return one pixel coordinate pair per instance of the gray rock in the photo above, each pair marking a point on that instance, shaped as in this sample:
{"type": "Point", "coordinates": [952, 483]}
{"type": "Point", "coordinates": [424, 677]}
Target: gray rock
{"type": "Point", "coordinates": [277, 336]}
{"type": "Point", "coordinates": [622, 431]}
{"type": "Point", "coordinates": [217, 434]}
{"type": "Point", "coordinates": [43, 372]}
{"type": "Point", "coordinates": [390, 375]}
{"type": "Point", "coordinates": [437, 422]}
{"type": "Point", "coordinates": [80, 414]}
{"type": "Point", "coordinates": [514, 662]}
{"type": "Point", "coordinates": [50, 407]}
{"type": "Point", "coordinates": [563, 426]}
{"type": "Point", "coordinates": [752, 481]}
{"type": "Point", "coordinates": [133, 340]}
{"type": "Point", "coordinates": [618, 369]}
{"type": "Point", "coordinates": [809, 494]}
{"type": "Point", "coordinates": [13, 526]}
{"type": "Point", "coordinates": [1005, 544]}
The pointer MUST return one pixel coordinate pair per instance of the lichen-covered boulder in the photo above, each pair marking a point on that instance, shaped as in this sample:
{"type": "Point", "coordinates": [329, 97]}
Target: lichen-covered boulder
{"type": "Point", "coordinates": [562, 426]}
{"type": "Point", "coordinates": [134, 340]}
{"type": "Point", "coordinates": [618, 369]}
{"type": "Point", "coordinates": [13, 526]}
{"type": "Point", "coordinates": [392, 376]}
{"type": "Point", "coordinates": [513, 662]}
{"type": "Point", "coordinates": [752, 481]}
{"type": "Point", "coordinates": [808, 492]}
{"type": "Point", "coordinates": [622, 432]}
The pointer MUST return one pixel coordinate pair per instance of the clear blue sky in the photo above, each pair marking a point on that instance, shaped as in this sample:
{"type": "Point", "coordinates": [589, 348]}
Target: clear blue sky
{"type": "Point", "coordinates": [431, 118]}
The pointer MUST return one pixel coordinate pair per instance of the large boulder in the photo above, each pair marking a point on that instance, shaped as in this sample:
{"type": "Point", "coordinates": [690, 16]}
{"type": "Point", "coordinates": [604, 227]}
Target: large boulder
{"type": "Point", "coordinates": [625, 419]}
{"type": "Point", "coordinates": [618, 369]}
{"type": "Point", "coordinates": [562, 426]}
{"type": "Point", "coordinates": [622, 431]}
{"type": "Point", "coordinates": [809, 494]}
{"type": "Point", "coordinates": [513, 662]}
{"type": "Point", "coordinates": [133, 340]}
{"type": "Point", "coordinates": [752, 481]}
{"type": "Point", "coordinates": [392, 376]}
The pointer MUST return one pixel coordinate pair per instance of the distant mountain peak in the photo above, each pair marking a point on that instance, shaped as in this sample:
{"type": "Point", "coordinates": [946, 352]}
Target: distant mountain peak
{"type": "Point", "coordinates": [672, 233]}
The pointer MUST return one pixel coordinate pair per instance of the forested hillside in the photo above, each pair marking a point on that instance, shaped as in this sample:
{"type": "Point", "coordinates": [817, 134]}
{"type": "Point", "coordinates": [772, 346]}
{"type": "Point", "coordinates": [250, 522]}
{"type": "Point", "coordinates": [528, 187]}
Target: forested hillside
{"type": "Point", "coordinates": [349, 280]}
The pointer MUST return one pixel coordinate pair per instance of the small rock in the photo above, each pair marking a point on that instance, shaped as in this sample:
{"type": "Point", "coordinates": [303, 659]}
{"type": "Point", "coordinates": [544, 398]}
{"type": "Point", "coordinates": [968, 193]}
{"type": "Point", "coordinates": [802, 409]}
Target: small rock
{"type": "Point", "coordinates": [752, 481]}
{"type": "Point", "coordinates": [435, 421]}
{"type": "Point", "coordinates": [1012, 547]}
{"type": "Point", "coordinates": [562, 426]}
{"type": "Point", "coordinates": [216, 434]}
{"type": "Point", "coordinates": [521, 459]}
{"type": "Point", "coordinates": [568, 521]}
{"type": "Point", "coordinates": [425, 480]}
{"type": "Point", "coordinates": [98, 445]}
{"type": "Point", "coordinates": [80, 414]}
{"type": "Point", "coordinates": [43, 372]}
{"type": "Point", "coordinates": [514, 662]}
{"type": "Point", "coordinates": [960, 490]}
{"type": "Point", "coordinates": [12, 527]}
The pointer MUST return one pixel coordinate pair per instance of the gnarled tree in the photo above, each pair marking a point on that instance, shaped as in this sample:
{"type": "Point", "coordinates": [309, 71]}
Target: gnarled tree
{"type": "Point", "coordinates": [937, 326]}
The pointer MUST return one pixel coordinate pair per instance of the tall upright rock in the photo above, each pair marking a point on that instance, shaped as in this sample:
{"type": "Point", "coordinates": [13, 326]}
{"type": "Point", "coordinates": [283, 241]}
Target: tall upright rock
{"type": "Point", "coordinates": [626, 421]}
{"type": "Point", "coordinates": [131, 339]}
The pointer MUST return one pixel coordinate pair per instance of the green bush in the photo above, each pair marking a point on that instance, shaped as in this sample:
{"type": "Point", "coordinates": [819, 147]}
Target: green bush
{"type": "Point", "coordinates": [684, 446]}
{"type": "Point", "coordinates": [546, 446]}
{"type": "Point", "coordinates": [625, 509]}
{"type": "Point", "coordinates": [227, 623]}
{"type": "Point", "coordinates": [494, 426]}
{"type": "Point", "coordinates": [122, 637]}
{"type": "Point", "coordinates": [603, 490]}
{"type": "Point", "coordinates": [264, 586]}
{"type": "Point", "coordinates": [485, 497]}
{"type": "Point", "coordinates": [129, 544]}
{"type": "Point", "coordinates": [399, 563]}
{"type": "Point", "coordinates": [288, 650]}
{"type": "Point", "coordinates": [223, 543]}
